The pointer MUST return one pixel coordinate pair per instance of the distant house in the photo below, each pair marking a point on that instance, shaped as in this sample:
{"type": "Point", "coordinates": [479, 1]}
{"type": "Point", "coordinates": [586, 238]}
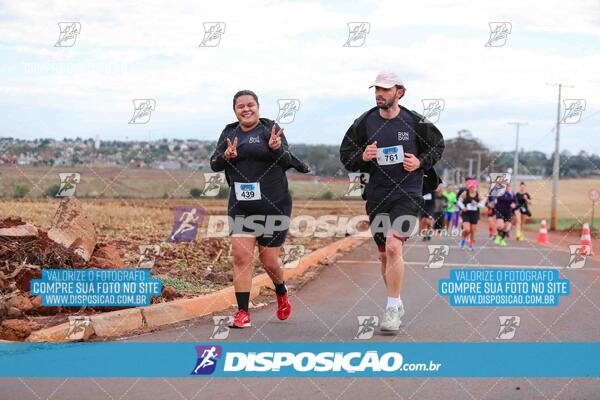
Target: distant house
{"type": "Point", "coordinates": [26, 160]}
{"type": "Point", "coordinates": [168, 165]}
{"type": "Point", "coordinates": [195, 166]}
{"type": "Point", "coordinates": [46, 155]}
{"type": "Point", "coordinates": [63, 161]}
{"type": "Point", "coordinates": [12, 160]}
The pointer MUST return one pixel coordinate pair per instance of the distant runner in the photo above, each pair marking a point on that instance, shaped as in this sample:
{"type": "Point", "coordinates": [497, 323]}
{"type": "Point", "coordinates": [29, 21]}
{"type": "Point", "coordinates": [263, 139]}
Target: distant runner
{"type": "Point", "coordinates": [469, 204]}
{"type": "Point", "coordinates": [449, 217]}
{"type": "Point", "coordinates": [504, 206]}
{"type": "Point", "coordinates": [523, 202]}
{"type": "Point", "coordinates": [490, 203]}
{"type": "Point", "coordinates": [426, 216]}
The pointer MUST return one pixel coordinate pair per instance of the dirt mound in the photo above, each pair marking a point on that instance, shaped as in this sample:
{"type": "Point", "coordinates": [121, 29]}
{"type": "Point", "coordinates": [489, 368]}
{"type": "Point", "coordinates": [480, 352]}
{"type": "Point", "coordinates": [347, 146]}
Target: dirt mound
{"type": "Point", "coordinates": [26, 249]}
{"type": "Point", "coordinates": [11, 222]}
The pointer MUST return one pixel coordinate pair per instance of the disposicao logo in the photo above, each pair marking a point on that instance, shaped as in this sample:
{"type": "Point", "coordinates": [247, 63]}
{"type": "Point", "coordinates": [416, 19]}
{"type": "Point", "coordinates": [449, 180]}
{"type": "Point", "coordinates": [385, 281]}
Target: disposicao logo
{"type": "Point", "coordinates": [312, 362]}
{"type": "Point", "coordinates": [351, 362]}
{"type": "Point", "coordinates": [390, 150]}
{"type": "Point", "coordinates": [207, 359]}
{"type": "Point", "coordinates": [307, 363]}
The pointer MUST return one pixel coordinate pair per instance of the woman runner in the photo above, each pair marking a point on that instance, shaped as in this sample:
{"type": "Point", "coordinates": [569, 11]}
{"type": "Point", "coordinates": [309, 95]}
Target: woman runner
{"type": "Point", "coordinates": [468, 202]}
{"type": "Point", "coordinates": [254, 154]}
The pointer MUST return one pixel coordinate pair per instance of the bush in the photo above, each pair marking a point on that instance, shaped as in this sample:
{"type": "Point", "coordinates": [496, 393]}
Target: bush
{"type": "Point", "coordinates": [327, 195]}
{"type": "Point", "coordinates": [223, 192]}
{"type": "Point", "coordinates": [195, 193]}
{"type": "Point", "coordinates": [21, 191]}
{"type": "Point", "coordinates": [51, 191]}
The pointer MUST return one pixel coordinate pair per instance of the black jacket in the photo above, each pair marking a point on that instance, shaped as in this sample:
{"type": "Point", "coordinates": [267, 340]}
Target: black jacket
{"type": "Point", "coordinates": [429, 141]}
{"type": "Point", "coordinates": [286, 159]}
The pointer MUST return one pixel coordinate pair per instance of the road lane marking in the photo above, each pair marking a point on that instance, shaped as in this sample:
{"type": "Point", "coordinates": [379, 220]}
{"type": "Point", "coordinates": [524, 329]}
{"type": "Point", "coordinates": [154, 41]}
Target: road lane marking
{"type": "Point", "coordinates": [455, 264]}
{"type": "Point", "coordinates": [537, 249]}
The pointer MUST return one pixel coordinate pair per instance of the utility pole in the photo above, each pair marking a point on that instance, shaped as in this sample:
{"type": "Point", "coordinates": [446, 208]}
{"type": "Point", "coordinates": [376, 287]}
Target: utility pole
{"type": "Point", "coordinates": [555, 168]}
{"type": "Point", "coordinates": [479, 153]}
{"type": "Point", "coordinates": [470, 166]}
{"type": "Point", "coordinates": [516, 159]}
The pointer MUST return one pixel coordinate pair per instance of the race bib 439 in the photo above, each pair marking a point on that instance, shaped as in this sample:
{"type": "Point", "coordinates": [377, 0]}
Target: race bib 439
{"type": "Point", "coordinates": [247, 191]}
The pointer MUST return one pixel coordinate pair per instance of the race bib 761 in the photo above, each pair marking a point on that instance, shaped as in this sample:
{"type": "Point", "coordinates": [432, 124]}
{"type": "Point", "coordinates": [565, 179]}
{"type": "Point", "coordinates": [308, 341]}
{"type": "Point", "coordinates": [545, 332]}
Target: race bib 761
{"type": "Point", "coordinates": [390, 155]}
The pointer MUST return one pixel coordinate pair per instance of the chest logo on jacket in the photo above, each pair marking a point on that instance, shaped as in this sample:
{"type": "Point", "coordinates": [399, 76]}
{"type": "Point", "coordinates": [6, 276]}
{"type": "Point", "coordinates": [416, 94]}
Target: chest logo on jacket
{"type": "Point", "coordinates": [254, 139]}
{"type": "Point", "coordinates": [403, 136]}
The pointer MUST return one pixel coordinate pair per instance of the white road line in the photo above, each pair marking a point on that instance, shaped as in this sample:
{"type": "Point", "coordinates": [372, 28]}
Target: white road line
{"type": "Point", "coordinates": [455, 264]}
{"type": "Point", "coordinates": [542, 249]}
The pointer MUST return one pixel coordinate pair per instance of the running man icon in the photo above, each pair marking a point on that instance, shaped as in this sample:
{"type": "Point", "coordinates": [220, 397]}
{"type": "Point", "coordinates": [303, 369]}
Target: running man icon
{"type": "Point", "coordinates": [186, 223]}
{"type": "Point", "coordinates": [207, 359]}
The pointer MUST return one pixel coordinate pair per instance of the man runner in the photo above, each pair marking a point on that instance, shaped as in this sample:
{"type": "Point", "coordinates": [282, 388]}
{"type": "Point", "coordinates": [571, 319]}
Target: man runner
{"type": "Point", "coordinates": [504, 206]}
{"type": "Point", "coordinates": [398, 148]}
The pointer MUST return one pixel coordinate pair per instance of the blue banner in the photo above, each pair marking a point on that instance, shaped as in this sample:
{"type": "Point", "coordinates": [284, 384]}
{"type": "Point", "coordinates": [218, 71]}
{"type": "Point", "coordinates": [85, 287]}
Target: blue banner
{"type": "Point", "coordinates": [341, 359]}
{"type": "Point", "coordinates": [504, 287]}
{"type": "Point", "coordinates": [96, 287]}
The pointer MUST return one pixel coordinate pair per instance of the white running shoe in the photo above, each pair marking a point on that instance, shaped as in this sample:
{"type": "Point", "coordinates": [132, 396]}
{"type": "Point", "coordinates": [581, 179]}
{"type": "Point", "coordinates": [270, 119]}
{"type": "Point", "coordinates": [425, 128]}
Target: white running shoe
{"type": "Point", "coordinates": [392, 319]}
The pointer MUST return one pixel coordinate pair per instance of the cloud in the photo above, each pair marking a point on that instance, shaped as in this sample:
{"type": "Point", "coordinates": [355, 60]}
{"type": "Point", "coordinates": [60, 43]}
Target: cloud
{"type": "Point", "coordinates": [149, 49]}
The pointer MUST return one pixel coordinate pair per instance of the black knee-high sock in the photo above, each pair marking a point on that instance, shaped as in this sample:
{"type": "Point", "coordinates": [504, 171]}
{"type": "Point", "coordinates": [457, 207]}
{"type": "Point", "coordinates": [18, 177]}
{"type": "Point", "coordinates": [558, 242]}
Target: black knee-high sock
{"type": "Point", "coordinates": [243, 299]}
{"type": "Point", "coordinates": [280, 288]}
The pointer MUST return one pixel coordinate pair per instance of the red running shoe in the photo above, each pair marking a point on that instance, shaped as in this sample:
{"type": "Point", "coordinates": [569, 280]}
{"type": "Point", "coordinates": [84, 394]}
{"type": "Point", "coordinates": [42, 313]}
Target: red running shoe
{"type": "Point", "coordinates": [241, 320]}
{"type": "Point", "coordinates": [284, 308]}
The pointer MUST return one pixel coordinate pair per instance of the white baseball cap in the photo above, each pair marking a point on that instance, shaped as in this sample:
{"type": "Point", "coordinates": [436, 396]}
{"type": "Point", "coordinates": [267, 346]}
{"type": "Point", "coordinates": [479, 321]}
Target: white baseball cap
{"type": "Point", "coordinates": [387, 79]}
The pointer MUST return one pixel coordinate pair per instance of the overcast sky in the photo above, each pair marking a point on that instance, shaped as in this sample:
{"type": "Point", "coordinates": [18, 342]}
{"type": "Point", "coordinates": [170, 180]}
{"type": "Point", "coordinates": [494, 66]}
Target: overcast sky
{"type": "Point", "coordinates": [294, 50]}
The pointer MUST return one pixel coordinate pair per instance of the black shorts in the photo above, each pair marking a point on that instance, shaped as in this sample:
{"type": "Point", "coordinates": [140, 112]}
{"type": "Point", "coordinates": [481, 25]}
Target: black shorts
{"type": "Point", "coordinates": [426, 211]}
{"type": "Point", "coordinates": [249, 221]}
{"type": "Point", "coordinates": [471, 217]}
{"type": "Point", "coordinates": [525, 211]}
{"type": "Point", "coordinates": [401, 215]}
{"type": "Point", "coordinates": [505, 217]}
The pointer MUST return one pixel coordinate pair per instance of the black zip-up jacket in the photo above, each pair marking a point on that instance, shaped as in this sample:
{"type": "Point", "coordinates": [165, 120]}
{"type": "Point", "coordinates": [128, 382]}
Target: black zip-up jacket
{"type": "Point", "coordinates": [429, 141]}
{"type": "Point", "coordinates": [285, 158]}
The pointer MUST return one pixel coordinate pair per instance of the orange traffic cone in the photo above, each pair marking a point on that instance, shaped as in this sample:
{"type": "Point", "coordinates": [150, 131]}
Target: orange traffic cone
{"type": "Point", "coordinates": [543, 235]}
{"type": "Point", "coordinates": [586, 241]}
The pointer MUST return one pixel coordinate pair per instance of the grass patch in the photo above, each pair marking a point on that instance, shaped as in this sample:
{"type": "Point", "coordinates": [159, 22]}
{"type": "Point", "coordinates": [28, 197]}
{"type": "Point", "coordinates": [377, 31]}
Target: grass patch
{"type": "Point", "coordinates": [565, 224]}
{"type": "Point", "coordinates": [183, 286]}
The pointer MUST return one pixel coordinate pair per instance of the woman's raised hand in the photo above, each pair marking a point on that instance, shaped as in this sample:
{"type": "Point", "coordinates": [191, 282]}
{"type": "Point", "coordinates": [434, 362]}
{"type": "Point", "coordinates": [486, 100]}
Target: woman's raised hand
{"type": "Point", "coordinates": [275, 139]}
{"type": "Point", "coordinates": [231, 150]}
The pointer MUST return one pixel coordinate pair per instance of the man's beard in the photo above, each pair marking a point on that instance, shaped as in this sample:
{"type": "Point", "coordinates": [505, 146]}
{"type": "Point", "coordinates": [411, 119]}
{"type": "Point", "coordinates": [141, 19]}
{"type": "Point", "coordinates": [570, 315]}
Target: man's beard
{"type": "Point", "coordinates": [386, 106]}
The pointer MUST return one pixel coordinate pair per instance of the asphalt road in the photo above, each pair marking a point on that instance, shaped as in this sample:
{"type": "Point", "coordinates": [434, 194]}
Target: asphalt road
{"type": "Point", "coordinates": [327, 309]}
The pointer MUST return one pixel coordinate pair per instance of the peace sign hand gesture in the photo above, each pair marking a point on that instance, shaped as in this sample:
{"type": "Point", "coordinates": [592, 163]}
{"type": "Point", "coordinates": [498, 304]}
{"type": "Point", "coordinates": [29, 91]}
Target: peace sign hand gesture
{"type": "Point", "coordinates": [275, 139]}
{"type": "Point", "coordinates": [231, 150]}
